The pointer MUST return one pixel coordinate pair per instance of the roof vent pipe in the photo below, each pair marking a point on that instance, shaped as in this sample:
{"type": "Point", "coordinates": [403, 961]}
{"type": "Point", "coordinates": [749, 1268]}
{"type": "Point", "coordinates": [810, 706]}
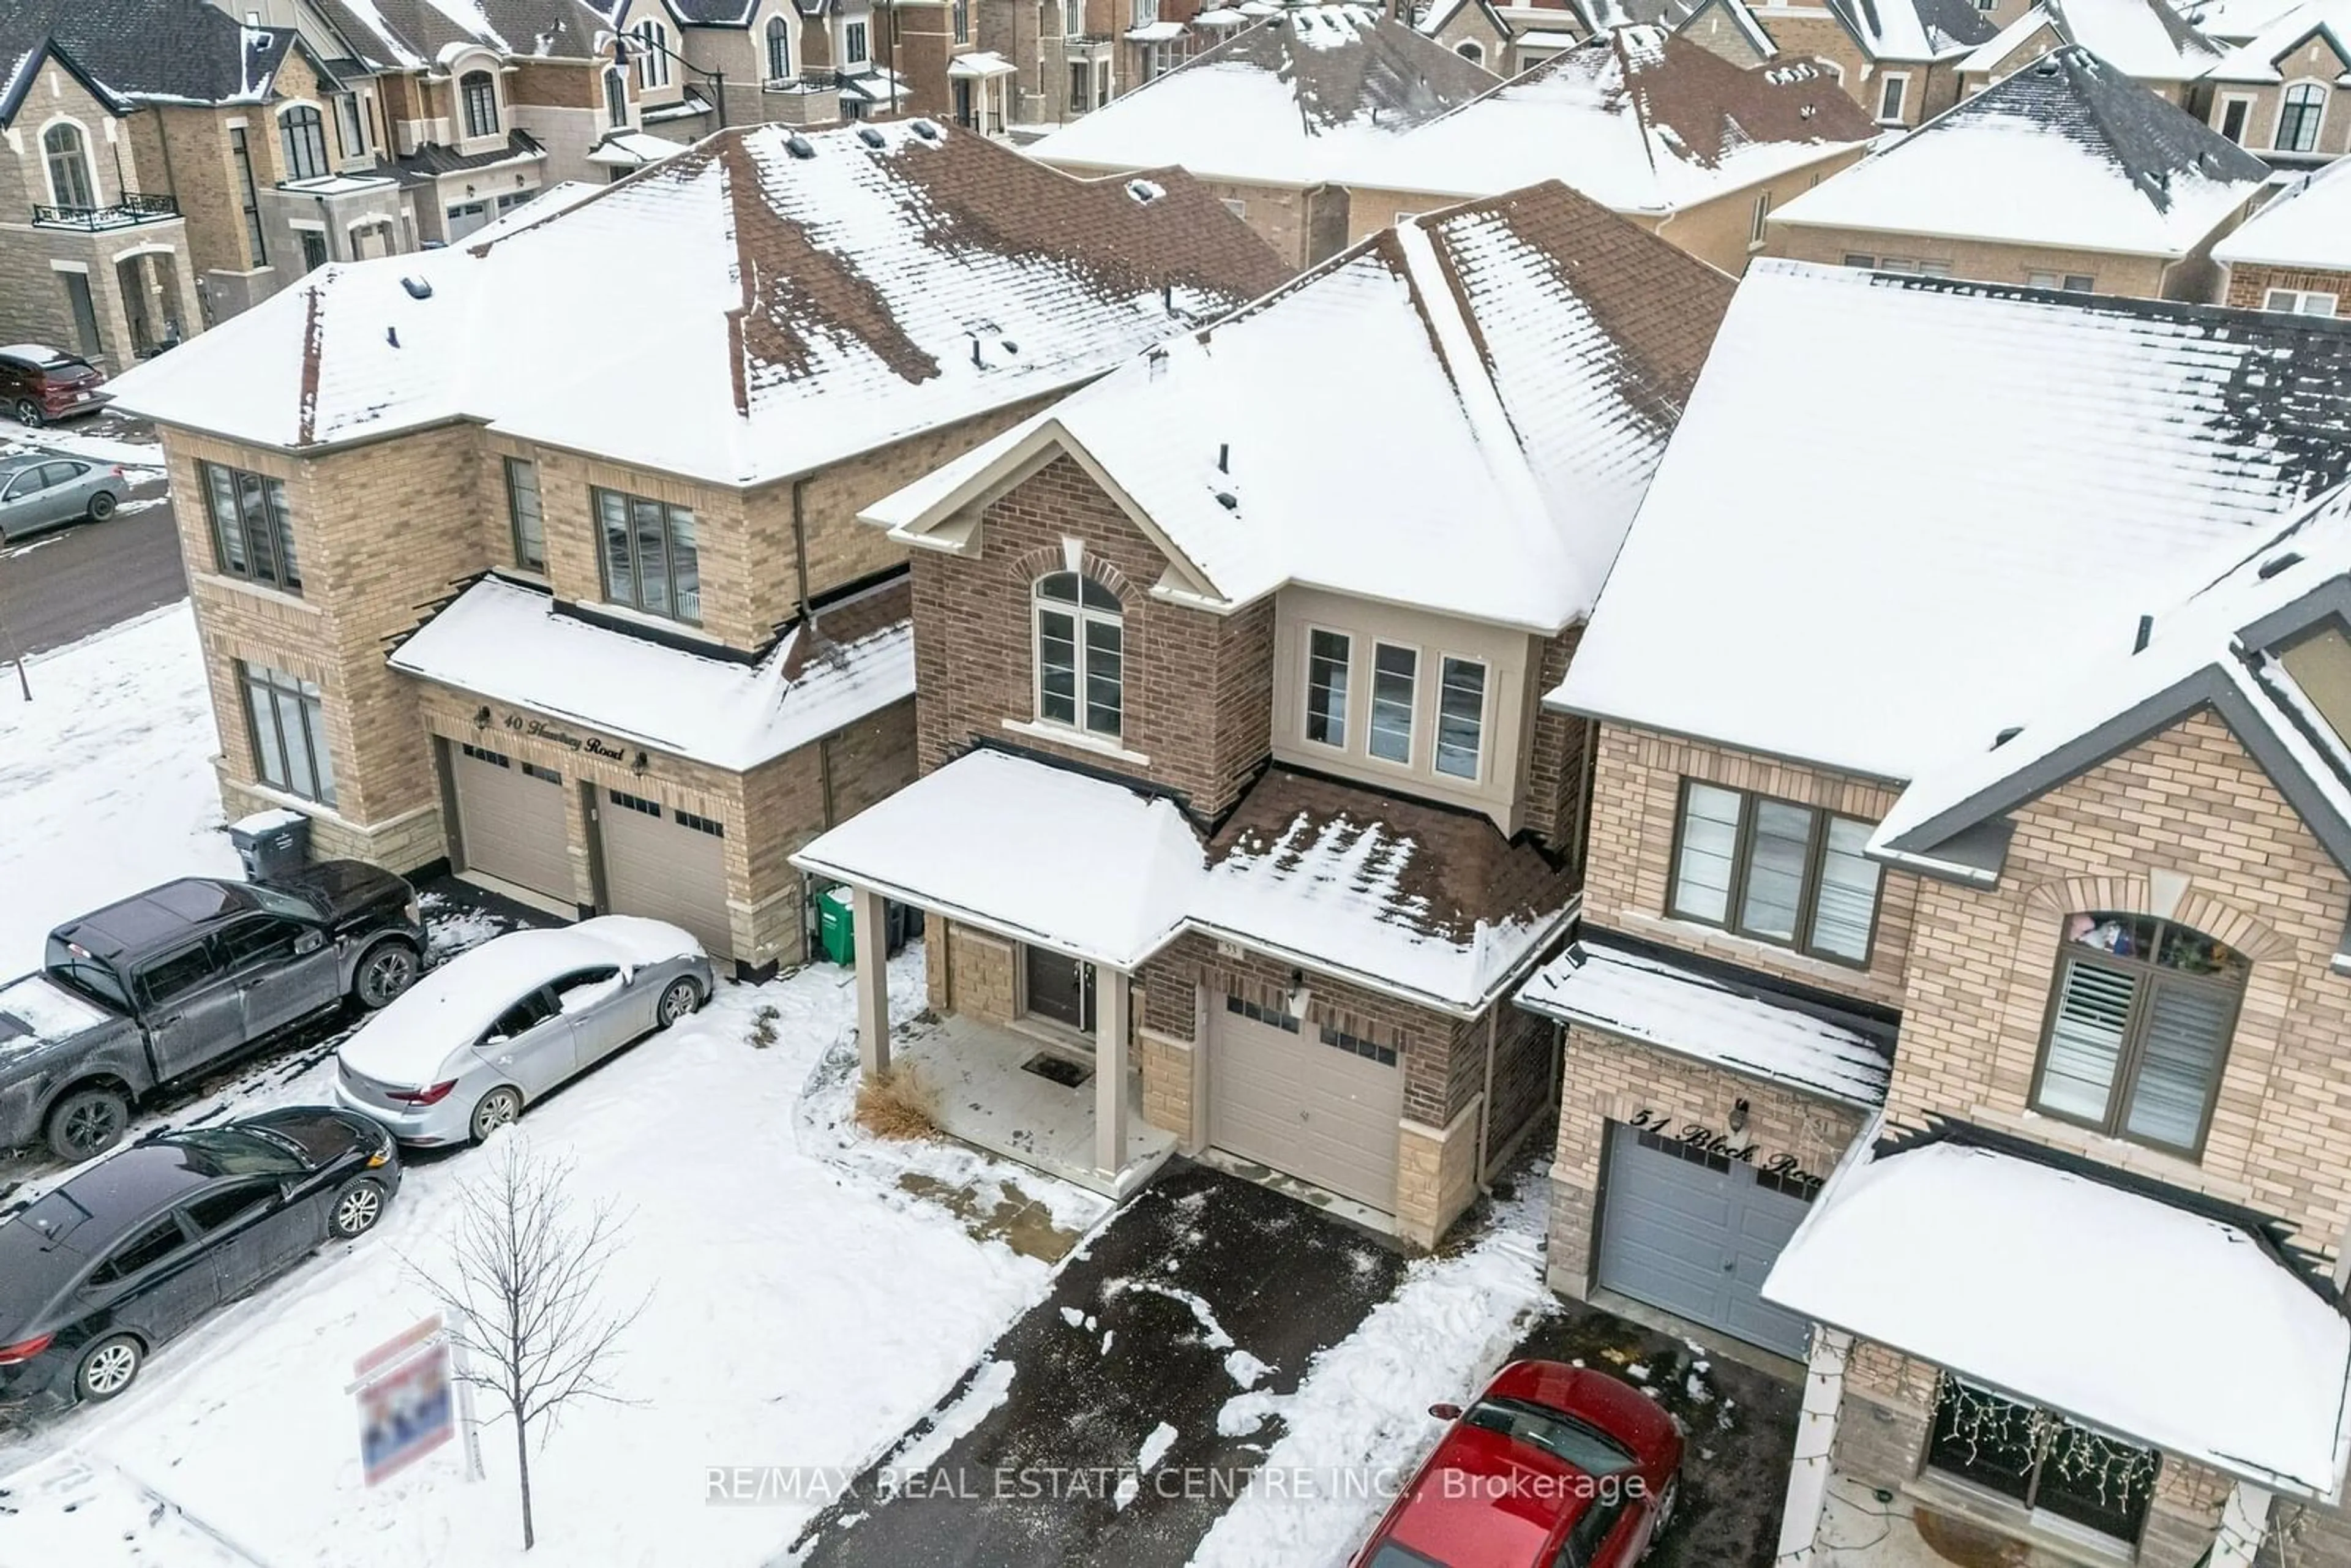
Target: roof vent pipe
{"type": "Point", "coordinates": [1224, 458]}
{"type": "Point", "coordinates": [2145, 630]}
{"type": "Point", "coordinates": [391, 336]}
{"type": "Point", "coordinates": [800, 146]}
{"type": "Point", "coordinates": [417, 287]}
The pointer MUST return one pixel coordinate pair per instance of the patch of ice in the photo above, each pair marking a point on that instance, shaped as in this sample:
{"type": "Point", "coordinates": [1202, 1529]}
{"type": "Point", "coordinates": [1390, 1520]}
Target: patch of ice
{"type": "Point", "coordinates": [1074, 1318]}
{"type": "Point", "coordinates": [1245, 1369]}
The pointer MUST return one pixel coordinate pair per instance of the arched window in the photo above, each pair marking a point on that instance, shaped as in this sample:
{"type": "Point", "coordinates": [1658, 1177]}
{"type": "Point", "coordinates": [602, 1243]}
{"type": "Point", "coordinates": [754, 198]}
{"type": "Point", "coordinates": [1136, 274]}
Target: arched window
{"type": "Point", "coordinates": [2298, 121]}
{"type": "Point", "coordinates": [1080, 655]}
{"type": "Point", "coordinates": [780, 50]}
{"type": "Point", "coordinates": [616, 97]}
{"type": "Point", "coordinates": [1471, 51]}
{"type": "Point", "coordinates": [2138, 1028]}
{"type": "Point", "coordinates": [653, 53]}
{"type": "Point", "coordinates": [480, 91]}
{"type": "Point", "coordinates": [69, 183]}
{"type": "Point", "coordinates": [302, 137]}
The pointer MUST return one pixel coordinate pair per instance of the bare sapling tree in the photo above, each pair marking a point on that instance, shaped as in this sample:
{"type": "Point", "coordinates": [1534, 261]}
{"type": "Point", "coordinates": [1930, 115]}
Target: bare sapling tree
{"type": "Point", "coordinates": [522, 1294]}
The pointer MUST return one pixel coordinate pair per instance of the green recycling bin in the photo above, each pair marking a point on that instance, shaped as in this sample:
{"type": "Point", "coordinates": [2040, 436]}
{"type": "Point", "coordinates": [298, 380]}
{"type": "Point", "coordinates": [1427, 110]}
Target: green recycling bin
{"type": "Point", "coordinates": [836, 925]}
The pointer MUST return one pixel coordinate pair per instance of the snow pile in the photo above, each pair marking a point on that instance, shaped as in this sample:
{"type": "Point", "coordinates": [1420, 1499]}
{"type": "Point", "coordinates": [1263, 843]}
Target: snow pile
{"type": "Point", "coordinates": [108, 777]}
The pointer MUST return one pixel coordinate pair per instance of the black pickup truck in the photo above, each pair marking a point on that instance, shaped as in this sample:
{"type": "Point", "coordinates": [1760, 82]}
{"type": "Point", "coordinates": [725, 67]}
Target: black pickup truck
{"type": "Point", "coordinates": [156, 989]}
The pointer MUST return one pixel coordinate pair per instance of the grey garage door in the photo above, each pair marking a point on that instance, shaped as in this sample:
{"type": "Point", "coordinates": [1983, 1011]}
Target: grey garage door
{"type": "Point", "coordinates": [1280, 1095]}
{"type": "Point", "coordinates": [1696, 1233]}
{"type": "Point", "coordinates": [667, 863]}
{"type": "Point", "coordinates": [510, 821]}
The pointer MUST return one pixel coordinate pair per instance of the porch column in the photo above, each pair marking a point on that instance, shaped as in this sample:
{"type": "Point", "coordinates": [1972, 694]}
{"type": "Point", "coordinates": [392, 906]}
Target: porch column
{"type": "Point", "coordinates": [2245, 1521]}
{"type": "Point", "coordinates": [1112, 996]}
{"type": "Point", "coordinates": [1817, 1426]}
{"type": "Point", "coordinates": [872, 983]}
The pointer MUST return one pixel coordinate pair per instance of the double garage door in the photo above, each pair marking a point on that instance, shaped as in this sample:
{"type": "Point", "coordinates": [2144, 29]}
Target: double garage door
{"type": "Point", "coordinates": [1697, 1233]}
{"type": "Point", "coordinates": [1310, 1102]}
{"type": "Point", "coordinates": [659, 861]}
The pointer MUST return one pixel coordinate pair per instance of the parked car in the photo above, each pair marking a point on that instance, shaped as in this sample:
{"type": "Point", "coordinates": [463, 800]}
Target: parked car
{"type": "Point", "coordinates": [40, 491]}
{"type": "Point", "coordinates": [154, 990]}
{"type": "Point", "coordinates": [496, 1028]}
{"type": "Point", "coordinates": [99, 1271]}
{"type": "Point", "coordinates": [39, 384]}
{"type": "Point", "coordinates": [1552, 1466]}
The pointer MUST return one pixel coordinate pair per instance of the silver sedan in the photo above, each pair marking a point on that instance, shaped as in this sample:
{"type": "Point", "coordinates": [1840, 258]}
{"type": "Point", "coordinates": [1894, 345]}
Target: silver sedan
{"type": "Point", "coordinates": [41, 490]}
{"type": "Point", "coordinates": [463, 1050]}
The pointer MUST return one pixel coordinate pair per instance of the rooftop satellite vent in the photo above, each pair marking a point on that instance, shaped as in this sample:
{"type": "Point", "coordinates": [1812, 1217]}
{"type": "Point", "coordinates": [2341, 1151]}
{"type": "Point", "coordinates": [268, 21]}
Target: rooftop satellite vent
{"type": "Point", "coordinates": [391, 336]}
{"type": "Point", "coordinates": [927, 129]}
{"type": "Point", "coordinates": [871, 137]}
{"type": "Point", "coordinates": [2005, 736]}
{"type": "Point", "coordinates": [417, 287]}
{"type": "Point", "coordinates": [800, 146]}
{"type": "Point", "coordinates": [2278, 563]}
{"type": "Point", "coordinates": [1228, 501]}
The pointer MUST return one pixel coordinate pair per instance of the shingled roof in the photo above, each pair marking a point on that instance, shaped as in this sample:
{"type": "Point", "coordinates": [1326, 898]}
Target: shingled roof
{"type": "Point", "coordinates": [155, 51]}
{"type": "Point", "coordinates": [821, 295]}
{"type": "Point", "coordinates": [1913, 30]}
{"type": "Point", "coordinates": [2145, 40]}
{"type": "Point", "coordinates": [1639, 119]}
{"type": "Point", "coordinates": [2069, 153]}
{"type": "Point", "coordinates": [1290, 101]}
{"type": "Point", "coordinates": [412, 34]}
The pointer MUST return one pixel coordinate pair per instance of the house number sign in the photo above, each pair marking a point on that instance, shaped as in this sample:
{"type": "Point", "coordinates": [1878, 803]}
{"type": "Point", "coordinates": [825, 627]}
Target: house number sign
{"type": "Point", "coordinates": [1723, 1145]}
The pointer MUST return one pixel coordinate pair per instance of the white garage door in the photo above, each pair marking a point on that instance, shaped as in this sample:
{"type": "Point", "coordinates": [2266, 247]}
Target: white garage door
{"type": "Point", "coordinates": [1697, 1233]}
{"type": "Point", "coordinates": [1311, 1102]}
{"type": "Point", "coordinates": [666, 863]}
{"type": "Point", "coordinates": [510, 822]}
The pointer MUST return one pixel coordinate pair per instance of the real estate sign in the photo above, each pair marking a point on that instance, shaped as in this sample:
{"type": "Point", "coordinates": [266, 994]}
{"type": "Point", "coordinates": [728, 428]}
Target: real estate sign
{"type": "Point", "coordinates": [406, 1402]}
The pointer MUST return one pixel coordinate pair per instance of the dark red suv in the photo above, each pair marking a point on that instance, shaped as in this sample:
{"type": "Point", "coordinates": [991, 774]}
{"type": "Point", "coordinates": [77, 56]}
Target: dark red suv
{"type": "Point", "coordinates": [39, 384]}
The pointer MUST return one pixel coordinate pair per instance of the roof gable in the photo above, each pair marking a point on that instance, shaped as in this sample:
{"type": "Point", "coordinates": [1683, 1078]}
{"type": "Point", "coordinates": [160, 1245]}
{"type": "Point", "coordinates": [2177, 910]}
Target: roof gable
{"type": "Point", "coordinates": [2307, 225]}
{"type": "Point", "coordinates": [25, 69]}
{"type": "Point", "coordinates": [156, 51]}
{"type": "Point", "coordinates": [1912, 30]}
{"type": "Point", "coordinates": [2264, 56]}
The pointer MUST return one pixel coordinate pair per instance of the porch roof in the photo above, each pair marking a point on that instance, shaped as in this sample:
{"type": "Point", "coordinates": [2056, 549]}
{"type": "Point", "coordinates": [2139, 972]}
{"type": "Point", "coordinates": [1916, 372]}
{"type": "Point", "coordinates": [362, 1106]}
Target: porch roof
{"type": "Point", "coordinates": [513, 644]}
{"type": "Point", "coordinates": [1039, 853]}
{"type": "Point", "coordinates": [2176, 1330]}
{"type": "Point", "coordinates": [1690, 1014]}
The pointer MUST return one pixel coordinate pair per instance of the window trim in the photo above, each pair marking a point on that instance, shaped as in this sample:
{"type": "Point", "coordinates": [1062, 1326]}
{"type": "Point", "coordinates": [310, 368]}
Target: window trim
{"type": "Point", "coordinates": [309, 134]}
{"type": "Point", "coordinates": [653, 53]}
{"type": "Point", "coordinates": [2286, 105]}
{"type": "Point", "coordinates": [777, 31]}
{"type": "Point", "coordinates": [860, 34]}
{"type": "Point", "coordinates": [489, 123]}
{"type": "Point", "coordinates": [285, 686]}
{"type": "Point", "coordinates": [1476, 779]}
{"type": "Point", "coordinates": [79, 153]}
{"type": "Point", "coordinates": [2298, 297]}
{"type": "Point", "coordinates": [1734, 892]}
{"type": "Point", "coordinates": [240, 153]}
{"type": "Point", "coordinates": [1892, 81]}
{"type": "Point", "coordinates": [616, 96]}
{"type": "Point", "coordinates": [1411, 734]}
{"type": "Point", "coordinates": [2221, 108]}
{"type": "Point", "coordinates": [1346, 688]}
{"type": "Point", "coordinates": [511, 466]}
{"type": "Point", "coordinates": [630, 501]}
{"type": "Point", "coordinates": [1755, 229]}
{"type": "Point", "coordinates": [279, 519]}
{"type": "Point", "coordinates": [2131, 1054]}
{"type": "Point", "coordinates": [1080, 613]}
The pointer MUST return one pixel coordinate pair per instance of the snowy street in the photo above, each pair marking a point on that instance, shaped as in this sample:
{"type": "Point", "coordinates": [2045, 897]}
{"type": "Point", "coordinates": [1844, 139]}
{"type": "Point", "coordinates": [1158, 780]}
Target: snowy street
{"type": "Point", "coordinates": [69, 583]}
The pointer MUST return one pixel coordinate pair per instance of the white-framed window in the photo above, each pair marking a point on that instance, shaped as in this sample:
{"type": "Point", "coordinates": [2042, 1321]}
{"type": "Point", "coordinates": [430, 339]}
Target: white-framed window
{"type": "Point", "coordinates": [1073, 18]}
{"type": "Point", "coordinates": [653, 53]}
{"type": "Point", "coordinates": [780, 50]}
{"type": "Point", "coordinates": [1146, 13]}
{"type": "Point", "coordinates": [2071, 282]}
{"type": "Point", "coordinates": [1396, 678]}
{"type": "Point", "coordinates": [478, 91]}
{"type": "Point", "coordinates": [853, 46]}
{"type": "Point", "coordinates": [959, 13]}
{"type": "Point", "coordinates": [2236, 110]}
{"type": "Point", "coordinates": [1461, 716]}
{"type": "Point", "coordinates": [1235, 205]}
{"type": "Point", "coordinates": [1329, 661]}
{"type": "Point", "coordinates": [302, 139]}
{"type": "Point", "coordinates": [1470, 49]}
{"type": "Point", "coordinates": [2299, 301]}
{"type": "Point", "coordinates": [1081, 633]}
{"type": "Point", "coordinates": [2300, 116]}
{"type": "Point", "coordinates": [348, 130]}
{"type": "Point", "coordinates": [616, 97]}
{"type": "Point", "coordinates": [1755, 225]}
{"type": "Point", "coordinates": [1893, 93]}
{"type": "Point", "coordinates": [66, 153]}
{"type": "Point", "coordinates": [1912, 265]}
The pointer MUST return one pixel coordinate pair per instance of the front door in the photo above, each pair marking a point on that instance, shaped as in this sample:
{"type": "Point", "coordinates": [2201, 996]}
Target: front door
{"type": "Point", "coordinates": [962, 102]}
{"type": "Point", "coordinates": [84, 312]}
{"type": "Point", "coordinates": [314, 249]}
{"type": "Point", "coordinates": [1059, 987]}
{"type": "Point", "coordinates": [192, 1009]}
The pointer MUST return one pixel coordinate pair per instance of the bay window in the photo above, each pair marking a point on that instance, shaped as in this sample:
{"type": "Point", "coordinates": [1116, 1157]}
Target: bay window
{"type": "Point", "coordinates": [1081, 654]}
{"type": "Point", "coordinates": [651, 559]}
{"type": "Point", "coordinates": [2138, 1028]}
{"type": "Point", "coordinates": [1394, 674]}
{"type": "Point", "coordinates": [1461, 716]}
{"type": "Point", "coordinates": [1776, 870]}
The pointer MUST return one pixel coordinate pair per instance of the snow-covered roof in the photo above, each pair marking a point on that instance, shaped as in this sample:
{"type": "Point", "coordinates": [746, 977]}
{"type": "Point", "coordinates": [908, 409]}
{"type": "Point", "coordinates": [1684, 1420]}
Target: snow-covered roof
{"type": "Point", "coordinates": [2235, 20]}
{"type": "Point", "coordinates": [2305, 225]}
{"type": "Point", "coordinates": [549, 200]}
{"type": "Point", "coordinates": [1417, 900]}
{"type": "Point", "coordinates": [2080, 450]}
{"type": "Point", "coordinates": [969, 838]}
{"type": "Point", "coordinates": [1639, 119]}
{"type": "Point", "coordinates": [893, 280]}
{"type": "Point", "coordinates": [630, 150]}
{"type": "Point", "coordinates": [1290, 103]}
{"type": "Point", "coordinates": [1675, 1008]}
{"type": "Point", "coordinates": [2214, 645]}
{"type": "Point", "coordinates": [144, 51]}
{"type": "Point", "coordinates": [981, 64]}
{"type": "Point", "coordinates": [509, 642]}
{"type": "Point", "coordinates": [2256, 59]}
{"type": "Point", "coordinates": [1913, 30]}
{"type": "Point", "coordinates": [1536, 348]}
{"type": "Point", "coordinates": [2068, 153]}
{"type": "Point", "coordinates": [2180, 1330]}
{"type": "Point", "coordinates": [419, 35]}
{"type": "Point", "coordinates": [2145, 39]}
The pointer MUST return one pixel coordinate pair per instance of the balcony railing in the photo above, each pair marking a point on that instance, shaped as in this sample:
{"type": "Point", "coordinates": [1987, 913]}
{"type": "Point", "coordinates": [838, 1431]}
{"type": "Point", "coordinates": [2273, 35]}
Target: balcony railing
{"type": "Point", "coordinates": [131, 207]}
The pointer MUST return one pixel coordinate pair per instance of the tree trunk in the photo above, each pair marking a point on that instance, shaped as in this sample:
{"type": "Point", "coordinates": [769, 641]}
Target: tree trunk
{"type": "Point", "coordinates": [522, 1463]}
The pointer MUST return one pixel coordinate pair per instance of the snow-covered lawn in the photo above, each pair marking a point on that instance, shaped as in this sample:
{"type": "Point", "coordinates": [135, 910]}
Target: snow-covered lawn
{"type": "Point", "coordinates": [74, 439]}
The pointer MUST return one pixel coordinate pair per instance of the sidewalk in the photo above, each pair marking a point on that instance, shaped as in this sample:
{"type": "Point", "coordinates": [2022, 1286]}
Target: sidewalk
{"type": "Point", "coordinates": [77, 1495]}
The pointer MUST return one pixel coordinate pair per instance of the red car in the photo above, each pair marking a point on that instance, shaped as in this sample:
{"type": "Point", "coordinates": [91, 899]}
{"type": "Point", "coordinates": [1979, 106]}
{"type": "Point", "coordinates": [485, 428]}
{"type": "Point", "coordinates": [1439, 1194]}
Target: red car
{"type": "Point", "coordinates": [39, 384]}
{"type": "Point", "coordinates": [1552, 1466]}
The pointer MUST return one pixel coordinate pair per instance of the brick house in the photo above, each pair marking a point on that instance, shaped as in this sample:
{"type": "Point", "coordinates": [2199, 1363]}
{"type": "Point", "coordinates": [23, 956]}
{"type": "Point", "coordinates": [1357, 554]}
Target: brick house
{"type": "Point", "coordinates": [2123, 193]}
{"type": "Point", "coordinates": [697, 65]}
{"type": "Point", "coordinates": [1236, 793]}
{"type": "Point", "coordinates": [2285, 90]}
{"type": "Point", "coordinates": [1660, 129]}
{"type": "Point", "coordinates": [93, 259]}
{"type": "Point", "coordinates": [1018, 69]}
{"type": "Point", "coordinates": [1833, 1037]}
{"type": "Point", "coordinates": [1273, 117]}
{"type": "Point", "coordinates": [1900, 60]}
{"type": "Point", "coordinates": [1507, 39]}
{"type": "Point", "coordinates": [2146, 40]}
{"type": "Point", "coordinates": [587, 616]}
{"type": "Point", "coordinates": [2294, 254]}
{"type": "Point", "coordinates": [1729, 28]}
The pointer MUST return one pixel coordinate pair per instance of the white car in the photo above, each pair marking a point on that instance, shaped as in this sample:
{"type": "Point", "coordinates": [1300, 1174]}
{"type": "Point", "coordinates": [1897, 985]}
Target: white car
{"type": "Point", "coordinates": [463, 1049]}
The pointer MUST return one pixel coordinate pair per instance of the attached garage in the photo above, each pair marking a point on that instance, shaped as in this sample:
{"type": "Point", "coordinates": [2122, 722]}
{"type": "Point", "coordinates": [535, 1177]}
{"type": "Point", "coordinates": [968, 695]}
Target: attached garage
{"type": "Point", "coordinates": [1305, 1100]}
{"type": "Point", "coordinates": [666, 862]}
{"type": "Point", "coordinates": [510, 822]}
{"type": "Point", "coordinates": [1696, 1233]}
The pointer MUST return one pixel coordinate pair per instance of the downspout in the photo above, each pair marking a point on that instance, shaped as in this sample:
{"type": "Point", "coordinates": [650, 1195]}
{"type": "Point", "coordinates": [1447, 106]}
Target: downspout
{"type": "Point", "coordinates": [808, 626]}
{"type": "Point", "coordinates": [1485, 1102]}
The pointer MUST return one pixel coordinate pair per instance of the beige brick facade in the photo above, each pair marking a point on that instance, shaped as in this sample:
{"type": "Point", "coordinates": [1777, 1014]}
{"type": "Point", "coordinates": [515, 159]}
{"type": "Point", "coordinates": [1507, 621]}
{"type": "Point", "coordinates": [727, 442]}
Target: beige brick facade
{"type": "Point", "coordinates": [2247, 285]}
{"type": "Point", "coordinates": [2192, 278]}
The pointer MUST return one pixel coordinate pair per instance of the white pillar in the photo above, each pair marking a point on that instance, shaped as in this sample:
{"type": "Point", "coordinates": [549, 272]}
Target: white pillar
{"type": "Point", "coordinates": [1111, 1001]}
{"type": "Point", "coordinates": [872, 983]}
{"type": "Point", "coordinates": [1816, 1425]}
{"type": "Point", "coordinates": [2245, 1521]}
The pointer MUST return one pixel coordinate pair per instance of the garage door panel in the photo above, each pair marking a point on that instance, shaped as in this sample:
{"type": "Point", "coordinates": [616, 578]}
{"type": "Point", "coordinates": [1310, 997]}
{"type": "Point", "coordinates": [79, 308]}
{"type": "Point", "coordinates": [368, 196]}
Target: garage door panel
{"type": "Point", "coordinates": [1697, 1240]}
{"type": "Point", "coordinates": [511, 820]}
{"type": "Point", "coordinates": [1287, 1101]}
{"type": "Point", "coordinates": [658, 863]}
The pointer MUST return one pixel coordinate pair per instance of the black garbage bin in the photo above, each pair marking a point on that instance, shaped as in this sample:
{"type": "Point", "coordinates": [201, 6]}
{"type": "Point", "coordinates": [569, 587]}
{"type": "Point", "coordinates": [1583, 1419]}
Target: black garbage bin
{"type": "Point", "coordinates": [271, 844]}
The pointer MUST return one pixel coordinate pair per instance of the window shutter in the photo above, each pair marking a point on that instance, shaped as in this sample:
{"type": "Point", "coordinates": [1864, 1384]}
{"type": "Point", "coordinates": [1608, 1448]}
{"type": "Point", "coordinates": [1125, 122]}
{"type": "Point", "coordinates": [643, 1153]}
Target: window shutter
{"type": "Point", "coordinates": [2187, 1038]}
{"type": "Point", "coordinates": [2086, 1043]}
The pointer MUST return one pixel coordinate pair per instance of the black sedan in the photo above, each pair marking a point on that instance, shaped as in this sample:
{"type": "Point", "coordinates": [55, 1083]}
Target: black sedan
{"type": "Point", "coordinates": [99, 1271]}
